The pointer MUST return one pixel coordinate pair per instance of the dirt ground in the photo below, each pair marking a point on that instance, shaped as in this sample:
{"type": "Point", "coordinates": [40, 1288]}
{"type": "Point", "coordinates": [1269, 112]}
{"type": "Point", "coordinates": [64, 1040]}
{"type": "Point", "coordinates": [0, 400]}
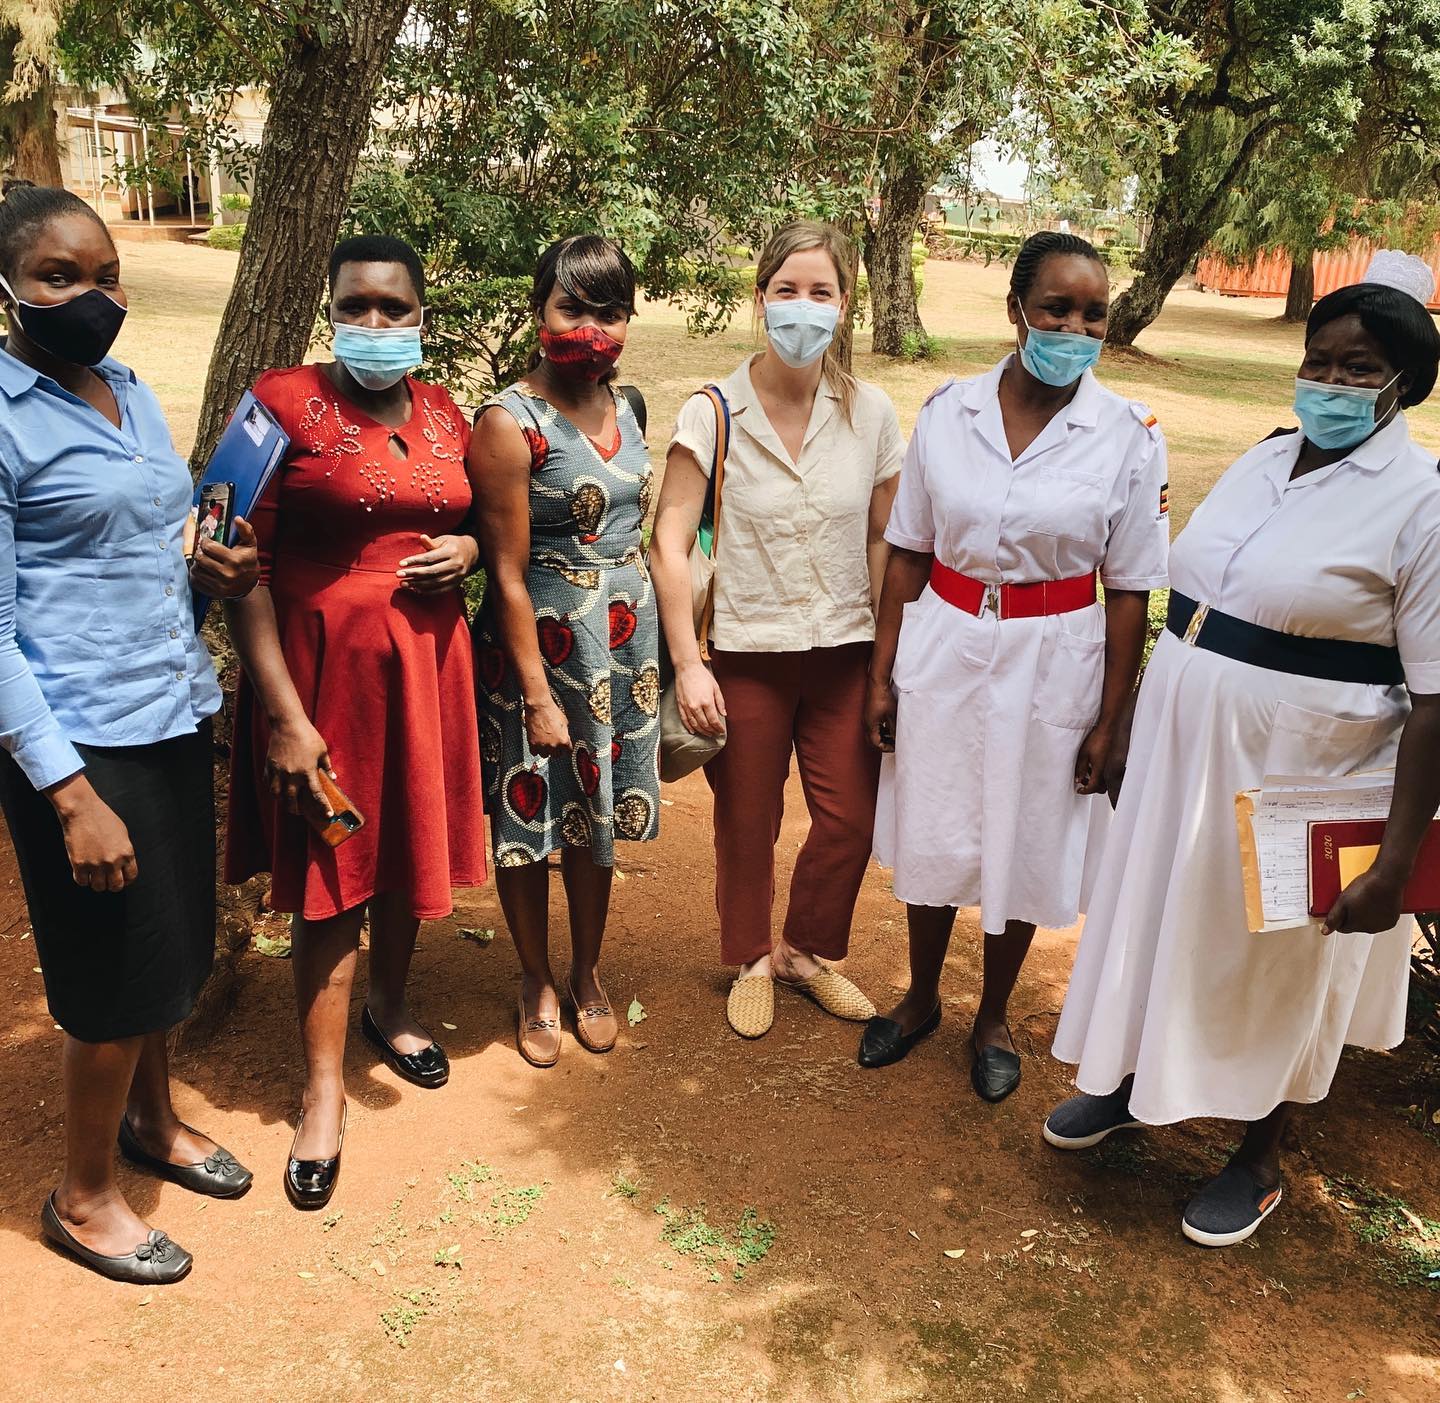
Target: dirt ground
{"type": "Point", "coordinates": [600, 1230]}
{"type": "Point", "coordinates": [694, 1217]}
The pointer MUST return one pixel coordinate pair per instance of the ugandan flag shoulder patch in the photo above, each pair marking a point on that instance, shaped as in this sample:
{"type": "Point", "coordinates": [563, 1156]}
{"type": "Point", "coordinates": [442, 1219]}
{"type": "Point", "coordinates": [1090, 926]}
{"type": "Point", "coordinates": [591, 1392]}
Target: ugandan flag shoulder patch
{"type": "Point", "coordinates": [1164, 499]}
{"type": "Point", "coordinates": [1151, 421]}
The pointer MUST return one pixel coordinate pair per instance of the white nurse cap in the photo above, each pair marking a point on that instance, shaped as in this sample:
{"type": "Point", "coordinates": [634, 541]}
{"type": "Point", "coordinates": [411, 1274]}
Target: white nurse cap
{"type": "Point", "coordinates": [1405, 271]}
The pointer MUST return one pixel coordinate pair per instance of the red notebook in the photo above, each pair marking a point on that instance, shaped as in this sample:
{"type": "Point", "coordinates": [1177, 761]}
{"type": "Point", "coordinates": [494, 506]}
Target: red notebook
{"type": "Point", "coordinates": [1341, 851]}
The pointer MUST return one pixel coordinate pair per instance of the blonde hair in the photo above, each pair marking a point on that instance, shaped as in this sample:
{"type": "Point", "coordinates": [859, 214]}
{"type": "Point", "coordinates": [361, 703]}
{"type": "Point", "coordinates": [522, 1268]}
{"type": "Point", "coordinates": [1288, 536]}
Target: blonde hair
{"type": "Point", "coordinates": [800, 236]}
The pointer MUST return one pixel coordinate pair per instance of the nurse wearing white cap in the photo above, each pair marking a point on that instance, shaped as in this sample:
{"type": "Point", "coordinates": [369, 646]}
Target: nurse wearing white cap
{"type": "Point", "coordinates": [1303, 639]}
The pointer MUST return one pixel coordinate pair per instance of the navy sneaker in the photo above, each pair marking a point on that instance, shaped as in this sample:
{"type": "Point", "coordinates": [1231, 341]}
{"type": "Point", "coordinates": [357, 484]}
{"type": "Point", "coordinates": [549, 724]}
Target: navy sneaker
{"type": "Point", "coordinates": [1083, 1120]}
{"type": "Point", "coordinates": [1229, 1208]}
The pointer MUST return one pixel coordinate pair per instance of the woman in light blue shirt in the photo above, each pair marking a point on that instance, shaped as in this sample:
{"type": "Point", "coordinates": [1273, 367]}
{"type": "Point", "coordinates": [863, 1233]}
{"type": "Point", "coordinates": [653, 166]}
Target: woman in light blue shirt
{"type": "Point", "coordinates": [106, 695]}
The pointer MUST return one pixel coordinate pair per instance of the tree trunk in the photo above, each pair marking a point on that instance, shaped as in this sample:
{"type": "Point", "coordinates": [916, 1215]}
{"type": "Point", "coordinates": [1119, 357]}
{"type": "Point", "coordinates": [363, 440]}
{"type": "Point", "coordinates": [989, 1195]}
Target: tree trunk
{"type": "Point", "coordinates": [1301, 296]}
{"type": "Point", "coordinates": [894, 307]}
{"type": "Point", "coordinates": [320, 106]}
{"type": "Point", "coordinates": [854, 230]}
{"type": "Point", "coordinates": [29, 142]}
{"type": "Point", "coordinates": [1188, 209]}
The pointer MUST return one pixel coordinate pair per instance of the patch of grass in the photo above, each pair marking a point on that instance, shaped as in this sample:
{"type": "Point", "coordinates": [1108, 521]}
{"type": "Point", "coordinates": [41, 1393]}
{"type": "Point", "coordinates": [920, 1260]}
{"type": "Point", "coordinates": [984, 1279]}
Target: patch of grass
{"type": "Point", "coordinates": [511, 1207]}
{"type": "Point", "coordinates": [624, 1187]}
{"type": "Point", "coordinates": [449, 1256]}
{"type": "Point", "coordinates": [1408, 1244]}
{"type": "Point", "coordinates": [1125, 1154]}
{"type": "Point", "coordinates": [690, 1234]}
{"type": "Point", "coordinates": [401, 1319]}
{"type": "Point", "coordinates": [464, 1179]}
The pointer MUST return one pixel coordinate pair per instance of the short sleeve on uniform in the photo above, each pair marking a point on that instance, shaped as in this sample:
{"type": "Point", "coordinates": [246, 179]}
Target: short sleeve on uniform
{"type": "Point", "coordinates": [1137, 555]}
{"type": "Point", "coordinates": [695, 431]}
{"type": "Point", "coordinates": [912, 518]}
{"type": "Point", "coordinates": [1417, 605]}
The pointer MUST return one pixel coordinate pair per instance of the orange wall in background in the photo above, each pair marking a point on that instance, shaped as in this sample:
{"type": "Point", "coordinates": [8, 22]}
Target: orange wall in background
{"type": "Point", "coordinates": [1269, 274]}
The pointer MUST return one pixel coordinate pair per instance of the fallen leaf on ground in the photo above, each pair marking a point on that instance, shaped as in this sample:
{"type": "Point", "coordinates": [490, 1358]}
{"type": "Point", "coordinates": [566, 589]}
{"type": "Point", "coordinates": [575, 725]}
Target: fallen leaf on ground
{"type": "Point", "coordinates": [480, 937]}
{"type": "Point", "coordinates": [619, 877]}
{"type": "Point", "coordinates": [275, 949]}
{"type": "Point", "coordinates": [145, 1300]}
{"type": "Point", "coordinates": [1027, 1247]}
{"type": "Point", "coordinates": [379, 1267]}
{"type": "Point", "coordinates": [450, 1026]}
{"type": "Point", "coordinates": [955, 1252]}
{"type": "Point", "coordinates": [915, 1234]}
{"type": "Point", "coordinates": [306, 1275]}
{"type": "Point", "coordinates": [637, 1012]}
{"type": "Point", "coordinates": [1031, 1232]}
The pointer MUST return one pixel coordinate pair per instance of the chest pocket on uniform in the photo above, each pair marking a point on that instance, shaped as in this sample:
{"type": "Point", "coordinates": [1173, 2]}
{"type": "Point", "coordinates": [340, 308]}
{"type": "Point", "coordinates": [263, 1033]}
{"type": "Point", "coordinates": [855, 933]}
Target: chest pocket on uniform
{"type": "Point", "coordinates": [1069, 504]}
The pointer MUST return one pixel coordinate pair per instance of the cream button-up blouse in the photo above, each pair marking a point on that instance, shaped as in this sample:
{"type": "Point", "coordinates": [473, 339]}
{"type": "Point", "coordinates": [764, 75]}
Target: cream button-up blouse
{"type": "Point", "coordinates": [791, 563]}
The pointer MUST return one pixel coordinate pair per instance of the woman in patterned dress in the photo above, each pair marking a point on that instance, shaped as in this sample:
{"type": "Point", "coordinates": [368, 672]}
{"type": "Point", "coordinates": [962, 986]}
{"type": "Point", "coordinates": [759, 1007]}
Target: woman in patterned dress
{"type": "Point", "coordinates": [567, 644]}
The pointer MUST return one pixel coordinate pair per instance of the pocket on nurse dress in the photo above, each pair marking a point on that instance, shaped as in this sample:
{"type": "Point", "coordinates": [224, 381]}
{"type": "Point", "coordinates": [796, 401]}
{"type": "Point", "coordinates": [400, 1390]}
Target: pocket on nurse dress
{"type": "Point", "coordinates": [1069, 681]}
{"type": "Point", "coordinates": [938, 646]}
{"type": "Point", "coordinates": [1071, 505]}
{"type": "Point", "coordinates": [1316, 743]}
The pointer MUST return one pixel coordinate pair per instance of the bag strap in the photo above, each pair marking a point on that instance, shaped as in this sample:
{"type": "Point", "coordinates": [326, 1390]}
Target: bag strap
{"type": "Point", "coordinates": [636, 401]}
{"type": "Point", "coordinates": [710, 514]}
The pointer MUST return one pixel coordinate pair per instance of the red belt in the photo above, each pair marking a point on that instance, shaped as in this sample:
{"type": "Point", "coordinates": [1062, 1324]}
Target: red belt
{"type": "Point", "coordinates": [1031, 601]}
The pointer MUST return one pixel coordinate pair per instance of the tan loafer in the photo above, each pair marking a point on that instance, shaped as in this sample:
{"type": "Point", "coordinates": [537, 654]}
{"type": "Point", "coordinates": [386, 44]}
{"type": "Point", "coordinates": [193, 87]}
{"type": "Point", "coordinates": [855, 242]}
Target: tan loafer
{"type": "Point", "coordinates": [751, 1005]}
{"type": "Point", "coordinates": [537, 1038]}
{"type": "Point", "coordinates": [834, 993]}
{"type": "Point", "coordinates": [596, 1026]}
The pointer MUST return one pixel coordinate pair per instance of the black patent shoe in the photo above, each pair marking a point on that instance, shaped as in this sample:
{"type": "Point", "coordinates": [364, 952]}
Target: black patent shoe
{"type": "Point", "coordinates": [220, 1175]}
{"type": "Point", "coordinates": [310, 1182]}
{"type": "Point", "coordinates": [884, 1041]}
{"type": "Point", "coordinates": [428, 1067]}
{"type": "Point", "coordinates": [995, 1072]}
{"type": "Point", "coordinates": [155, 1262]}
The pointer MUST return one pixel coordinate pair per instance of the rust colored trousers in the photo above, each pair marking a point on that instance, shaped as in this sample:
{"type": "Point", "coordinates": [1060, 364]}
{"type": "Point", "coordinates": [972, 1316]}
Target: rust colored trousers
{"type": "Point", "coordinates": [811, 703]}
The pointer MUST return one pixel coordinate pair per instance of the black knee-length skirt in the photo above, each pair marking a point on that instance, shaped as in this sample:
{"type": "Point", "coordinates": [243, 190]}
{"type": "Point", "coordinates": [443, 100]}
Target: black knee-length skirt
{"type": "Point", "coordinates": [120, 964]}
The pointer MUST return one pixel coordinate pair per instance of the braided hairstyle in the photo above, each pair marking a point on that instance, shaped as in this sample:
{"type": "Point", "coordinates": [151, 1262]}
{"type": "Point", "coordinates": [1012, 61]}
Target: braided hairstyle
{"type": "Point", "coordinates": [1037, 248]}
{"type": "Point", "coordinates": [25, 209]}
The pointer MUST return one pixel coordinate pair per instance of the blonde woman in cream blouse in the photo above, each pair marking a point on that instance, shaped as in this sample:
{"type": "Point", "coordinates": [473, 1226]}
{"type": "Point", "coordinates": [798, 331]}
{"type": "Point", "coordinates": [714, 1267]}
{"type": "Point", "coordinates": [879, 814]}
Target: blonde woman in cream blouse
{"type": "Point", "coordinates": [810, 477]}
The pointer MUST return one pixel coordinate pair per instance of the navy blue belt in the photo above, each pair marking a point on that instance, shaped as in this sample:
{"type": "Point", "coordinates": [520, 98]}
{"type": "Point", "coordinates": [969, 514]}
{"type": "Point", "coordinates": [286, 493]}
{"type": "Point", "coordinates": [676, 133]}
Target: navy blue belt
{"type": "Point", "coordinates": [1333, 659]}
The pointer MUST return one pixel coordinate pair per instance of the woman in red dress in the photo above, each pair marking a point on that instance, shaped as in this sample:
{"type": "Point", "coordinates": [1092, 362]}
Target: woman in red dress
{"type": "Point", "coordinates": [357, 663]}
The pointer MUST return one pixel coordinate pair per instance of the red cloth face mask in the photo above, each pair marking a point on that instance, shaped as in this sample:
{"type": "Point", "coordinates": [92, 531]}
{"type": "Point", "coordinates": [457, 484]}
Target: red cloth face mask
{"type": "Point", "coordinates": [586, 351]}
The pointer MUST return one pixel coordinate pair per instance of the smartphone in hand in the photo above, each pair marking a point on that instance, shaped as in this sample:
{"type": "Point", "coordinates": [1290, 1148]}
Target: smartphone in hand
{"type": "Point", "coordinates": [210, 517]}
{"type": "Point", "coordinates": [346, 819]}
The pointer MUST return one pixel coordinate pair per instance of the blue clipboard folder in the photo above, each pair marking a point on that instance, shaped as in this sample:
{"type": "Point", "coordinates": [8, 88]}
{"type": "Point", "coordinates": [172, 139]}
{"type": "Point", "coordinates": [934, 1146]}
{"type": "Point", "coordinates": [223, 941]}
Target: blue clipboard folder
{"type": "Point", "coordinates": [248, 453]}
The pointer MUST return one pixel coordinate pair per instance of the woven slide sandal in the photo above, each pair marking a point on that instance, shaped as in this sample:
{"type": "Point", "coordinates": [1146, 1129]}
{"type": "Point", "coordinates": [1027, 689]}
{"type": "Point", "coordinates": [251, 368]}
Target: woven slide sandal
{"type": "Point", "coordinates": [835, 994]}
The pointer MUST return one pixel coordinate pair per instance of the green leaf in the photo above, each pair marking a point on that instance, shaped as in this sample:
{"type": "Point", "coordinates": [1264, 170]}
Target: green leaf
{"type": "Point", "coordinates": [637, 1012]}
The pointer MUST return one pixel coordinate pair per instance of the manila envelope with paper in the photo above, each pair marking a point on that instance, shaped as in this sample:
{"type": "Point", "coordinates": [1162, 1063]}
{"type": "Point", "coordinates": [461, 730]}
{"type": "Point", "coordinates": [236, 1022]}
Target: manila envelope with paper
{"type": "Point", "coordinates": [1280, 823]}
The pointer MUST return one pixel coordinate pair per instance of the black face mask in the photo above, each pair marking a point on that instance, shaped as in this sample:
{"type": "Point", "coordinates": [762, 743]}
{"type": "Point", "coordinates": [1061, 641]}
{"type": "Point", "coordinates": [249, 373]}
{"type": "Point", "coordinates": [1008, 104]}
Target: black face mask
{"type": "Point", "coordinates": [80, 331]}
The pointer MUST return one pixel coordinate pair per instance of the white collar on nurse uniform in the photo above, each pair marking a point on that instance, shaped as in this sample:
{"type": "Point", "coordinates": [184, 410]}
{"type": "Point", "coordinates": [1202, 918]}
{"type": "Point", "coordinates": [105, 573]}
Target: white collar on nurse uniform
{"type": "Point", "coordinates": [1373, 455]}
{"type": "Point", "coordinates": [981, 396]}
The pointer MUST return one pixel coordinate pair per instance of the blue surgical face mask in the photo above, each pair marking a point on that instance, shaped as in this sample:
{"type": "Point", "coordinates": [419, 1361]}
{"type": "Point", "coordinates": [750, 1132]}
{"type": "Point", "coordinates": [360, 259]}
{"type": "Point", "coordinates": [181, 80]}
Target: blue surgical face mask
{"type": "Point", "coordinates": [1058, 357]}
{"type": "Point", "coordinates": [800, 330]}
{"type": "Point", "coordinates": [1336, 416]}
{"type": "Point", "coordinates": [377, 357]}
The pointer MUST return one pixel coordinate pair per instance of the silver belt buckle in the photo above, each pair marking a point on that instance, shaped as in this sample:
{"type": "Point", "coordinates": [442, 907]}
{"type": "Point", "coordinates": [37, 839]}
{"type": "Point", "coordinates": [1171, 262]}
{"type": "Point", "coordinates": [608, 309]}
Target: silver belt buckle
{"type": "Point", "coordinates": [992, 601]}
{"type": "Point", "coordinates": [1197, 622]}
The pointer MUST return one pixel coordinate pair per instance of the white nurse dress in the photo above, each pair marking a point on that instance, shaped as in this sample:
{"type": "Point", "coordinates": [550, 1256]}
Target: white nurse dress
{"type": "Point", "coordinates": [1168, 982]}
{"type": "Point", "coordinates": [977, 805]}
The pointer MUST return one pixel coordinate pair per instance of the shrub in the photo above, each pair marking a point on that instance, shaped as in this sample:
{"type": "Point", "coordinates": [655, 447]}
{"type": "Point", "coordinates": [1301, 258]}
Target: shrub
{"type": "Point", "coordinates": [920, 345]}
{"type": "Point", "coordinates": [236, 199]}
{"type": "Point", "coordinates": [227, 236]}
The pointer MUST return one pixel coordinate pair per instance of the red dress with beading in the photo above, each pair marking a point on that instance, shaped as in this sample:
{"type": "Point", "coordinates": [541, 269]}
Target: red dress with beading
{"type": "Point", "coordinates": [384, 674]}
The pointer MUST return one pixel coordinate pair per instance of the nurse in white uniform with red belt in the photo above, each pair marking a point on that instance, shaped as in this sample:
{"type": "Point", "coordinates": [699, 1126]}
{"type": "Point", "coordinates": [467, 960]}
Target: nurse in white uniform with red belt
{"type": "Point", "coordinates": [1304, 639]}
{"type": "Point", "coordinates": [1000, 689]}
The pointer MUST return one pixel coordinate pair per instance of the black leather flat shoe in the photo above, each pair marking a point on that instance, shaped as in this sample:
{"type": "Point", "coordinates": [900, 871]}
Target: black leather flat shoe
{"type": "Point", "coordinates": [428, 1067]}
{"type": "Point", "coordinates": [883, 1042]}
{"type": "Point", "coordinates": [219, 1175]}
{"type": "Point", "coordinates": [994, 1073]}
{"type": "Point", "coordinates": [310, 1182]}
{"type": "Point", "coordinates": [155, 1262]}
